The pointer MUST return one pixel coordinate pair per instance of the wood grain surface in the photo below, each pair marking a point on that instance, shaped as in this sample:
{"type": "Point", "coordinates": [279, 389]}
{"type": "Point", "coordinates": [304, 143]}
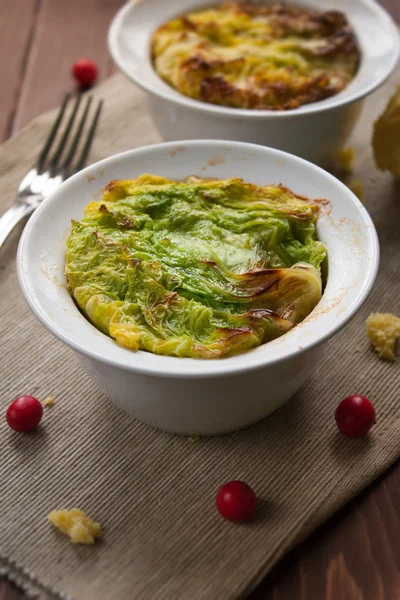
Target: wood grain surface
{"type": "Point", "coordinates": [356, 555]}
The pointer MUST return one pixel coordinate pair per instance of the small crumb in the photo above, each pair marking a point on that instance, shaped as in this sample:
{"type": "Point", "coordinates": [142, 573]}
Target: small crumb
{"type": "Point", "coordinates": [194, 439]}
{"type": "Point", "coordinates": [49, 401]}
{"type": "Point", "coordinates": [356, 186]}
{"type": "Point", "coordinates": [345, 158]}
{"type": "Point", "coordinates": [383, 330]}
{"type": "Point", "coordinates": [80, 528]}
{"type": "Point", "coordinates": [358, 349]}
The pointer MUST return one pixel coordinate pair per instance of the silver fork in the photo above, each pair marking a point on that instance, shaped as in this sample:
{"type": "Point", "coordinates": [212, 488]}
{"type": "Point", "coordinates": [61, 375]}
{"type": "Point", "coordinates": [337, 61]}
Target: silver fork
{"type": "Point", "coordinates": [51, 169]}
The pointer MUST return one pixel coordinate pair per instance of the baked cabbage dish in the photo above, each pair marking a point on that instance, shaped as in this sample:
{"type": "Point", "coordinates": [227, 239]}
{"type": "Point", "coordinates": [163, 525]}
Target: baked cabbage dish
{"type": "Point", "coordinates": [196, 268]}
{"type": "Point", "coordinates": [255, 56]}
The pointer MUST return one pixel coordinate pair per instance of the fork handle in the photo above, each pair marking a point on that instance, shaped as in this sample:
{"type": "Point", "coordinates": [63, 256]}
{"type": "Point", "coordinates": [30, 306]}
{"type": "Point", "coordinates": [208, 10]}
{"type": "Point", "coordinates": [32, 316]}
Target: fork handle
{"type": "Point", "coordinates": [11, 218]}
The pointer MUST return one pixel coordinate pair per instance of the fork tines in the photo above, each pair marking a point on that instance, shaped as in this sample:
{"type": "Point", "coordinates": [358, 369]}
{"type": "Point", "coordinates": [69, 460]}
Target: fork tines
{"type": "Point", "coordinates": [60, 155]}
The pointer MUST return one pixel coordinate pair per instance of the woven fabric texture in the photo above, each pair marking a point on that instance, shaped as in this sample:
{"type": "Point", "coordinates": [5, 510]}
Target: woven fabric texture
{"type": "Point", "coordinates": [154, 493]}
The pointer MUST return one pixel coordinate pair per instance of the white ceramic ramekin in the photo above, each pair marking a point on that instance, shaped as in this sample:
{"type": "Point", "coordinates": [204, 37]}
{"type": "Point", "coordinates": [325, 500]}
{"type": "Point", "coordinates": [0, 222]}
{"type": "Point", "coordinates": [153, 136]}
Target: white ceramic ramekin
{"type": "Point", "coordinates": [315, 131]}
{"type": "Point", "coordinates": [192, 396]}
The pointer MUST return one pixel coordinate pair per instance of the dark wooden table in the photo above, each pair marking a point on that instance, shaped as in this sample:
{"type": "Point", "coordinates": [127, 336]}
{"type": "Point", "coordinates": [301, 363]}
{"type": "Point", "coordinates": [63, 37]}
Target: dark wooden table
{"type": "Point", "coordinates": [356, 555]}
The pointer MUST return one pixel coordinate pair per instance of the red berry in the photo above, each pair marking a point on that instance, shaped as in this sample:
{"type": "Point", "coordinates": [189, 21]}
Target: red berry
{"type": "Point", "coordinates": [236, 501]}
{"type": "Point", "coordinates": [24, 414]}
{"type": "Point", "coordinates": [355, 416]}
{"type": "Point", "coordinates": [85, 72]}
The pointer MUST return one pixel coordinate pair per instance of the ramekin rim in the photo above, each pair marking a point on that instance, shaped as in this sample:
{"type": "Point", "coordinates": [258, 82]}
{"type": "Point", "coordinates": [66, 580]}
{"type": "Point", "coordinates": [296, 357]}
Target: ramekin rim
{"type": "Point", "coordinates": [169, 94]}
{"type": "Point", "coordinates": [225, 368]}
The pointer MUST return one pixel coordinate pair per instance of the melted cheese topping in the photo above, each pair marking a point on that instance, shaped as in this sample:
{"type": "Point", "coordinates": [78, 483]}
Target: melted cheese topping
{"type": "Point", "coordinates": [262, 57]}
{"type": "Point", "coordinates": [383, 329]}
{"type": "Point", "coordinates": [78, 526]}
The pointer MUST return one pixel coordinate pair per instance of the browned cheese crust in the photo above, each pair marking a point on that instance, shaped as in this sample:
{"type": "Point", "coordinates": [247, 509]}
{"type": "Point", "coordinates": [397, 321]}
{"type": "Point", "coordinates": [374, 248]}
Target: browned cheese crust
{"type": "Point", "coordinates": [257, 57]}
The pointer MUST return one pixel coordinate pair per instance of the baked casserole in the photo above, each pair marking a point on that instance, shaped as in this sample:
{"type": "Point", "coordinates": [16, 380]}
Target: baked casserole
{"type": "Point", "coordinates": [252, 56]}
{"type": "Point", "coordinates": [196, 268]}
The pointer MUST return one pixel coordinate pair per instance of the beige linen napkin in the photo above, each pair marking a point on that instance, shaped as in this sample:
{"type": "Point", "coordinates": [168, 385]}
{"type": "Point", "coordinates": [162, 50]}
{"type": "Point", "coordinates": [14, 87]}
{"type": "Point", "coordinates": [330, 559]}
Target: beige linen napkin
{"type": "Point", "coordinates": [155, 493]}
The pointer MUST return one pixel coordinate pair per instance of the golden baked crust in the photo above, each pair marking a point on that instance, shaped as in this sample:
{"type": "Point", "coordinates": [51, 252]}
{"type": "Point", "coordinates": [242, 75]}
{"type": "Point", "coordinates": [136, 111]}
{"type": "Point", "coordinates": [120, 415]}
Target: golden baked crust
{"type": "Point", "coordinates": [257, 57]}
{"type": "Point", "coordinates": [383, 329]}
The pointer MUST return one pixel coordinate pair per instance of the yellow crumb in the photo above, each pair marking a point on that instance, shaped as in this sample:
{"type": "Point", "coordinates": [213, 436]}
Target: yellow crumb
{"type": "Point", "coordinates": [383, 329]}
{"type": "Point", "coordinates": [345, 158]}
{"type": "Point", "coordinates": [49, 401]}
{"type": "Point", "coordinates": [358, 349]}
{"type": "Point", "coordinates": [194, 439]}
{"type": "Point", "coordinates": [356, 186]}
{"type": "Point", "coordinates": [386, 137]}
{"type": "Point", "coordinates": [80, 528]}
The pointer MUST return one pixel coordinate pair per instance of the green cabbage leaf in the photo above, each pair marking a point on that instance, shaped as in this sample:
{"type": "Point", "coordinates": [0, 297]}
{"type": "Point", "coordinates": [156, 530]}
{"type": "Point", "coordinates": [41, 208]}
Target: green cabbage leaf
{"type": "Point", "coordinates": [200, 268]}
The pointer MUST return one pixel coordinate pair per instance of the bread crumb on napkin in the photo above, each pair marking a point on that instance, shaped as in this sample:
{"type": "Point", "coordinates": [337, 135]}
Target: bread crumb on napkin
{"type": "Point", "coordinates": [49, 401]}
{"type": "Point", "coordinates": [194, 439]}
{"type": "Point", "coordinates": [345, 158]}
{"type": "Point", "coordinates": [386, 137]}
{"type": "Point", "coordinates": [80, 528]}
{"type": "Point", "coordinates": [383, 329]}
{"type": "Point", "coordinates": [356, 186]}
